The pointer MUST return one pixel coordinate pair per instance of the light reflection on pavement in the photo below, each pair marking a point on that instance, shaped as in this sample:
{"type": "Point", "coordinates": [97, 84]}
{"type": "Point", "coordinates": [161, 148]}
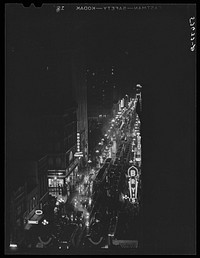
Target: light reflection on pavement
{"type": "Point", "coordinates": [82, 199]}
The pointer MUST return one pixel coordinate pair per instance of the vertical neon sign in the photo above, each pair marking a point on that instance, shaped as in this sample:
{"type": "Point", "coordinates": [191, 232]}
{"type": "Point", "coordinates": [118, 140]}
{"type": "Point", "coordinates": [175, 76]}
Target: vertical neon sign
{"type": "Point", "coordinates": [78, 142]}
{"type": "Point", "coordinates": [133, 183]}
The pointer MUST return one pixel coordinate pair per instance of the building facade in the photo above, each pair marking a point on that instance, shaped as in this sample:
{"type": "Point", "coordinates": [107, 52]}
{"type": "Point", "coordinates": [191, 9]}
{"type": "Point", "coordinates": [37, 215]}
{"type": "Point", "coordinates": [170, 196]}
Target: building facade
{"type": "Point", "coordinates": [17, 213]}
{"type": "Point", "coordinates": [62, 164]}
{"type": "Point", "coordinates": [35, 198]}
{"type": "Point", "coordinates": [102, 90]}
{"type": "Point", "coordinates": [42, 181]}
{"type": "Point", "coordinates": [80, 92]}
{"type": "Point", "coordinates": [29, 193]}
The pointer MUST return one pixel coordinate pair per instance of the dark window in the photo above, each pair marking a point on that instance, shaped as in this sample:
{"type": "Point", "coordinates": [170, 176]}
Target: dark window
{"type": "Point", "coordinates": [19, 209]}
{"type": "Point", "coordinates": [57, 146]}
{"type": "Point", "coordinates": [50, 161]}
{"type": "Point", "coordinates": [58, 162]}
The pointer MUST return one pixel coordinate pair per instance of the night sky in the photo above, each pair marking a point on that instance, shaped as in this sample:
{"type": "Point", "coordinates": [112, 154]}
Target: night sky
{"type": "Point", "coordinates": [149, 47]}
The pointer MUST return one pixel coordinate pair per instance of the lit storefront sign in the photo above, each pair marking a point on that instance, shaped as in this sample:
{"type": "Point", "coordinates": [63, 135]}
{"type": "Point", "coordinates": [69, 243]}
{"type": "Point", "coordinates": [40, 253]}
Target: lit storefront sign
{"type": "Point", "coordinates": [55, 182]}
{"type": "Point", "coordinates": [132, 171]}
{"type": "Point", "coordinates": [139, 142]}
{"type": "Point", "coordinates": [13, 245]}
{"type": "Point", "coordinates": [38, 212]}
{"type": "Point", "coordinates": [78, 154]}
{"type": "Point", "coordinates": [78, 142]}
{"type": "Point", "coordinates": [33, 222]}
{"type": "Point", "coordinates": [133, 183]}
{"type": "Point", "coordinates": [56, 173]}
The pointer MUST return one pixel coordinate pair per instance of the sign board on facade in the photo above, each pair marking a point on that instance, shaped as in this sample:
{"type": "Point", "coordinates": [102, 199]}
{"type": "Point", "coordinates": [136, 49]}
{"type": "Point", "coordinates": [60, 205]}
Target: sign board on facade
{"type": "Point", "coordinates": [33, 222]}
{"type": "Point", "coordinates": [132, 171]}
{"type": "Point", "coordinates": [133, 183]}
{"type": "Point", "coordinates": [78, 154]}
{"type": "Point", "coordinates": [38, 212]}
{"type": "Point", "coordinates": [78, 142]}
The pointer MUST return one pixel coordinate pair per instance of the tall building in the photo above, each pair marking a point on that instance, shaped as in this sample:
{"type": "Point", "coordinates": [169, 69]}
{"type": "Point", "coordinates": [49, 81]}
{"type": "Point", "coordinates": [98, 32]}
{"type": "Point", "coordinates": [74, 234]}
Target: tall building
{"type": "Point", "coordinates": [16, 211]}
{"type": "Point", "coordinates": [61, 132]}
{"type": "Point", "coordinates": [139, 98]}
{"type": "Point", "coordinates": [102, 90]}
{"type": "Point", "coordinates": [28, 193]}
{"type": "Point", "coordinates": [80, 91]}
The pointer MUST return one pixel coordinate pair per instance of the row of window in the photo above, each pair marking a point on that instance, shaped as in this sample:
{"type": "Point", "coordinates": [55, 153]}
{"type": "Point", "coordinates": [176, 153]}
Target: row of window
{"type": "Point", "coordinates": [55, 191]}
{"type": "Point", "coordinates": [55, 182]}
{"type": "Point", "coordinates": [69, 142]}
{"type": "Point", "coordinates": [54, 146]}
{"type": "Point", "coordinates": [56, 163]}
{"type": "Point", "coordinates": [70, 129]}
{"type": "Point", "coordinates": [69, 118]}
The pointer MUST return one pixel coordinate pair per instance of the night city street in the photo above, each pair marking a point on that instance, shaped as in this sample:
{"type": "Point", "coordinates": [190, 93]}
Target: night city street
{"type": "Point", "coordinates": [100, 129]}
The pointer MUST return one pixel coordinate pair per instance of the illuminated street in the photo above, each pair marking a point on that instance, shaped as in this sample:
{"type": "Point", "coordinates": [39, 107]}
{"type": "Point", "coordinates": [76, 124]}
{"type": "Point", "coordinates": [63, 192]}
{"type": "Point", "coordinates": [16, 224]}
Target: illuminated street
{"type": "Point", "coordinates": [104, 196]}
{"type": "Point", "coordinates": [100, 129]}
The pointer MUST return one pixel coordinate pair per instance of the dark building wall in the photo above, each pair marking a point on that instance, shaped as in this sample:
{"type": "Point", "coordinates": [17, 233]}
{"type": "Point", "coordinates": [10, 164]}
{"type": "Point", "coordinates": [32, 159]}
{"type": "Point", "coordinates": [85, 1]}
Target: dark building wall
{"type": "Point", "coordinates": [16, 213]}
{"type": "Point", "coordinates": [168, 147]}
{"type": "Point", "coordinates": [80, 90]}
{"type": "Point", "coordinates": [24, 198]}
{"type": "Point", "coordinates": [70, 129]}
{"type": "Point", "coordinates": [101, 89]}
{"type": "Point", "coordinates": [61, 137]}
{"type": "Point", "coordinates": [42, 180]}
